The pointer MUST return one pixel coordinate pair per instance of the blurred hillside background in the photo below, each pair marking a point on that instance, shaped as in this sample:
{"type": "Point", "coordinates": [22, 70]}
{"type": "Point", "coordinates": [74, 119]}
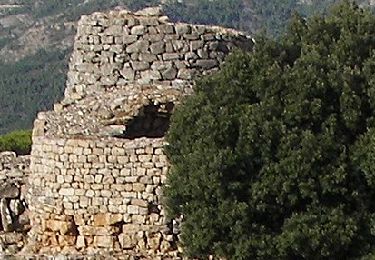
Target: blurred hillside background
{"type": "Point", "coordinates": [36, 39]}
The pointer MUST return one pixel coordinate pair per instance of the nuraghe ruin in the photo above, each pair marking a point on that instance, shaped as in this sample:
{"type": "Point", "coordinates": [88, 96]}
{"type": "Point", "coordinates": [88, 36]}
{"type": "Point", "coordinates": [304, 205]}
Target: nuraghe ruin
{"type": "Point", "coordinates": [97, 163]}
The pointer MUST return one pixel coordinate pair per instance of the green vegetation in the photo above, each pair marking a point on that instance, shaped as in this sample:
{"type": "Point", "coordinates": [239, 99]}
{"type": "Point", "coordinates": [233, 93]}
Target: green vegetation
{"type": "Point", "coordinates": [73, 9]}
{"type": "Point", "coordinates": [17, 141]}
{"type": "Point", "coordinates": [273, 157]}
{"type": "Point", "coordinates": [37, 81]}
{"type": "Point", "coordinates": [248, 15]}
{"type": "Point", "coordinates": [28, 86]}
{"type": "Point", "coordinates": [225, 13]}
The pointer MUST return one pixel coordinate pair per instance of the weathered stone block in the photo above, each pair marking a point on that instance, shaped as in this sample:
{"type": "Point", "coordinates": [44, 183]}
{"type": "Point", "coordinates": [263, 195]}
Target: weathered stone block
{"type": "Point", "coordinates": [116, 151]}
{"type": "Point", "coordinates": [98, 178]}
{"type": "Point", "coordinates": [122, 159]}
{"type": "Point", "coordinates": [149, 75]}
{"type": "Point", "coordinates": [66, 191]}
{"type": "Point", "coordinates": [140, 65]}
{"type": "Point", "coordinates": [169, 73]}
{"type": "Point", "coordinates": [152, 35]}
{"type": "Point", "coordinates": [89, 179]}
{"type": "Point", "coordinates": [146, 180]}
{"type": "Point", "coordinates": [106, 193]}
{"type": "Point", "coordinates": [128, 39]}
{"type": "Point", "coordinates": [147, 57]}
{"type": "Point", "coordinates": [138, 219]}
{"type": "Point", "coordinates": [128, 73]}
{"type": "Point", "coordinates": [145, 158]}
{"type": "Point", "coordinates": [141, 171]}
{"type": "Point", "coordinates": [107, 39]}
{"type": "Point", "coordinates": [148, 21]}
{"type": "Point", "coordinates": [132, 209]}
{"type": "Point", "coordinates": [195, 45]}
{"type": "Point", "coordinates": [108, 179]}
{"type": "Point", "coordinates": [182, 29]}
{"type": "Point", "coordinates": [165, 28]}
{"type": "Point", "coordinates": [97, 187]}
{"type": "Point", "coordinates": [131, 229]}
{"type": "Point", "coordinates": [114, 30]}
{"type": "Point", "coordinates": [107, 219]}
{"type": "Point", "coordinates": [138, 30]}
{"type": "Point", "coordinates": [140, 203]}
{"type": "Point", "coordinates": [9, 191]}
{"type": "Point", "coordinates": [80, 242]}
{"type": "Point", "coordinates": [126, 241]}
{"type": "Point", "coordinates": [103, 241]}
{"type": "Point", "coordinates": [171, 56]}
{"type": "Point", "coordinates": [138, 46]}
{"type": "Point", "coordinates": [157, 48]}
{"type": "Point", "coordinates": [186, 74]}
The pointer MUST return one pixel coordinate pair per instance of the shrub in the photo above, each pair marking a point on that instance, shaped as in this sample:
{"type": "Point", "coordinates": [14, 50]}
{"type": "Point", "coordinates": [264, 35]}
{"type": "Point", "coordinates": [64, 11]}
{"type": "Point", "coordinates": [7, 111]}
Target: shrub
{"type": "Point", "coordinates": [274, 157]}
{"type": "Point", "coordinates": [17, 141]}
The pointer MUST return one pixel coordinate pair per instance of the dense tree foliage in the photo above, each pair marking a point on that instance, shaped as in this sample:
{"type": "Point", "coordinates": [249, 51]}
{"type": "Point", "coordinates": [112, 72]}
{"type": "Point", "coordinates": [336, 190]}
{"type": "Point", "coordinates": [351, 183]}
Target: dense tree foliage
{"type": "Point", "coordinates": [28, 86]}
{"type": "Point", "coordinates": [273, 157]}
{"type": "Point", "coordinates": [17, 141]}
{"type": "Point", "coordinates": [248, 15]}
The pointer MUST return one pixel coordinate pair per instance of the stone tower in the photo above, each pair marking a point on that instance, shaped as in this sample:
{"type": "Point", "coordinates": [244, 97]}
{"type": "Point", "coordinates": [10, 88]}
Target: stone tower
{"type": "Point", "coordinates": [97, 163]}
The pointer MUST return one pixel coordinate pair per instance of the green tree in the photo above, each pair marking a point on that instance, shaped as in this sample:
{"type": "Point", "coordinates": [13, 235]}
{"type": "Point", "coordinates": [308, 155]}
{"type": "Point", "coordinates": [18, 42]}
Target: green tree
{"type": "Point", "coordinates": [273, 157]}
{"type": "Point", "coordinates": [223, 12]}
{"type": "Point", "coordinates": [29, 85]}
{"type": "Point", "coordinates": [17, 141]}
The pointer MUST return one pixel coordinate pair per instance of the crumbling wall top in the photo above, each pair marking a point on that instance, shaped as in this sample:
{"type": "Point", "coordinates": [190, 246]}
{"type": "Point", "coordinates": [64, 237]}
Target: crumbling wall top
{"type": "Point", "coordinates": [123, 61]}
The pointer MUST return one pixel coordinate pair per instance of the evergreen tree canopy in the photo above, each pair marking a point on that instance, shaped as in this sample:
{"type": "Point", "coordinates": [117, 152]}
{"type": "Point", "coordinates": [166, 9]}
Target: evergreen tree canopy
{"type": "Point", "coordinates": [274, 156]}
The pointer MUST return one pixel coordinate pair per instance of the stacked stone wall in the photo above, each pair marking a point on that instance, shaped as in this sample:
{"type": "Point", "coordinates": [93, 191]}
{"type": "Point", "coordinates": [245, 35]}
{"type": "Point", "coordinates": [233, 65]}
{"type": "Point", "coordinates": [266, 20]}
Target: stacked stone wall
{"type": "Point", "coordinates": [96, 181]}
{"type": "Point", "coordinates": [119, 48]}
{"type": "Point", "coordinates": [105, 195]}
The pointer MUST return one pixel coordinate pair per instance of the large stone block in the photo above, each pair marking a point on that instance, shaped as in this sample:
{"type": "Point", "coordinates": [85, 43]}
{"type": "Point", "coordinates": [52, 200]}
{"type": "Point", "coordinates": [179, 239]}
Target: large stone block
{"type": "Point", "coordinates": [103, 241]}
{"type": "Point", "coordinates": [66, 191]}
{"type": "Point", "coordinates": [107, 219]}
{"type": "Point", "coordinates": [9, 190]}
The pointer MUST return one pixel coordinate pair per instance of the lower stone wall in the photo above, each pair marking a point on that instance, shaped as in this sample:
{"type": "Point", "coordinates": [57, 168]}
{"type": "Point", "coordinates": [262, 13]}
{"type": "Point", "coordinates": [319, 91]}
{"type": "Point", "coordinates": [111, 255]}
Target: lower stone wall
{"type": "Point", "coordinates": [91, 196]}
{"type": "Point", "coordinates": [14, 216]}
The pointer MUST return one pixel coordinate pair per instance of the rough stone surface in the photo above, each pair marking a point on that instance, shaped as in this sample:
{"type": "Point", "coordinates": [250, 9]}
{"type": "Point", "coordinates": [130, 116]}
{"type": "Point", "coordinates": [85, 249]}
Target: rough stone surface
{"type": "Point", "coordinates": [13, 207]}
{"type": "Point", "coordinates": [97, 161]}
{"type": "Point", "coordinates": [145, 37]}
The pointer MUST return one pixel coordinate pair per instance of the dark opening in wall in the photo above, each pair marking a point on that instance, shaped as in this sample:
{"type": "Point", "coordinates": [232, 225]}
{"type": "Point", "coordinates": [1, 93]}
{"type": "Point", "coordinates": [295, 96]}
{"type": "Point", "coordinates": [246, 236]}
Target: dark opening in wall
{"type": "Point", "coordinates": [152, 121]}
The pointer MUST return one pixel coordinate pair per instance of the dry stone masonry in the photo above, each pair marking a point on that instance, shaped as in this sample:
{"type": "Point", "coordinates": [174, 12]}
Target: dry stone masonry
{"type": "Point", "coordinates": [100, 194]}
{"type": "Point", "coordinates": [14, 219]}
{"type": "Point", "coordinates": [144, 48]}
{"type": "Point", "coordinates": [97, 162]}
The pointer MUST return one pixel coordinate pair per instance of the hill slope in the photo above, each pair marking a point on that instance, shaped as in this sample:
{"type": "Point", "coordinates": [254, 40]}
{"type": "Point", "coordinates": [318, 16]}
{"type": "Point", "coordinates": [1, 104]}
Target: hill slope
{"type": "Point", "coordinates": [36, 38]}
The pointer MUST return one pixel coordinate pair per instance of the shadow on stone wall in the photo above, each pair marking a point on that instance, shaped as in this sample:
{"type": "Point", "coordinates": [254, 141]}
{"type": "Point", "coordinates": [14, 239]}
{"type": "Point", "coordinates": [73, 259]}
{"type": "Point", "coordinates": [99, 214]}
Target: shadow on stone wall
{"type": "Point", "coordinates": [152, 121]}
